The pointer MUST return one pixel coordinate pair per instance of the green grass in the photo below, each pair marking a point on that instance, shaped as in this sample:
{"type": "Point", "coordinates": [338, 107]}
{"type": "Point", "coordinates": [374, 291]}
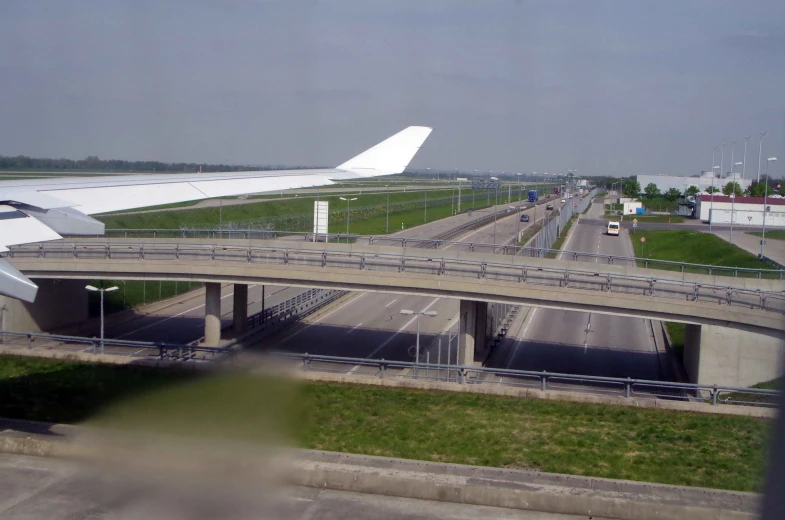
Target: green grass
{"type": "Point", "coordinates": [595, 440]}
{"type": "Point", "coordinates": [774, 234]}
{"type": "Point", "coordinates": [132, 293]}
{"type": "Point", "coordinates": [562, 237]}
{"type": "Point", "coordinates": [693, 247]}
{"type": "Point", "coordinates": [652, 219]}
{"type": "Point", "coordinates": [676, 332]}
{"type": "Point", "coordinates": [210, 217]}
{"type": "Point", "coordinates": [158, 208]}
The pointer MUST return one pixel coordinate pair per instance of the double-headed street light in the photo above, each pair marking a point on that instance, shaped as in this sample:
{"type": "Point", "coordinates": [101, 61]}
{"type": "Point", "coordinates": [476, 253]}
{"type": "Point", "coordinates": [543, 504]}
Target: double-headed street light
{"type": "Point", "coordinates": [765, 194]}
{"type": "Point", "coordinates": [407, 312]}
{"type": "Point", "coordinates": [347, 211]}
{"type": "Point", "coordinates": [102, 291]}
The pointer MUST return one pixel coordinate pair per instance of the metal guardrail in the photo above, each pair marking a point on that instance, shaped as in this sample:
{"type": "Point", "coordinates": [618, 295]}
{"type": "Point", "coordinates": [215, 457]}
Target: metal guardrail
{"type": "Point", "coordinates": [628, 387]}
{"type": "Point", "coordinates": [165, 351]}
{"type": "Point", "coordinates": [582, 276]}
{"type": "Point", "coordinates": [436, 243]}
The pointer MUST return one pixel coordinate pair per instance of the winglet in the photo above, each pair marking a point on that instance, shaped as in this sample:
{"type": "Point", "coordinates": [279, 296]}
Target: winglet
{"type": "Point", "coordinates": [391, 155]}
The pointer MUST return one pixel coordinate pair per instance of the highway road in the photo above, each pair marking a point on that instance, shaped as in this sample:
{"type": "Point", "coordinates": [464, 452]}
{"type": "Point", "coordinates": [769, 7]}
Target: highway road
{"type": "Point", "coordinates": [183, 320]}
{"type": "Point", "coordinates": [580, 342]}
{"type": "Point", "coordinates": [369, 325]}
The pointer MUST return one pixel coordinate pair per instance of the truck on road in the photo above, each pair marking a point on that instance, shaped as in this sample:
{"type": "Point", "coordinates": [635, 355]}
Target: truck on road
{"type": "Point", "coordinates": [533, 196]}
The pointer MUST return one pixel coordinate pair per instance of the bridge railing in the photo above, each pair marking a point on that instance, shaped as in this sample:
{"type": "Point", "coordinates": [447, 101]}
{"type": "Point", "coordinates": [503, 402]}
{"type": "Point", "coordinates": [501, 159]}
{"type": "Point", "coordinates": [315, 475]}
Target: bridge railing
{"type": "Point", "coordinates": [581, 276]}
{"type": "Point", "coordinates": [439, 242]}
{"type": "Point", "coordinates": [544, 381]}
{"type": "Point", "coordinates": [140, 349]}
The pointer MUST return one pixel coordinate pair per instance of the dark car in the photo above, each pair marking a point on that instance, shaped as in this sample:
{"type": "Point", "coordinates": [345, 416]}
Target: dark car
{"type": "Point", "coordinates": [549, 206]}
{"type": "Point", "coordinates": [524, 218]}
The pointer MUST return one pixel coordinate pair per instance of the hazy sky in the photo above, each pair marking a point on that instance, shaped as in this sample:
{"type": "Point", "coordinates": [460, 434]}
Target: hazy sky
{"type": "Point", "coordinates": [601, 86]}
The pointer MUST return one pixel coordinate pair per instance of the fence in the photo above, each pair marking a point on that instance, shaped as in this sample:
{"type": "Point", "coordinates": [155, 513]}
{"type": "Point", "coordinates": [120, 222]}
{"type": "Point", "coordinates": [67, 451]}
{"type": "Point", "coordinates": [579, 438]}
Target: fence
{"type": "Point", "coordinates": [543, 241]}
{"type": "Point", "coordinates": [544, 381]}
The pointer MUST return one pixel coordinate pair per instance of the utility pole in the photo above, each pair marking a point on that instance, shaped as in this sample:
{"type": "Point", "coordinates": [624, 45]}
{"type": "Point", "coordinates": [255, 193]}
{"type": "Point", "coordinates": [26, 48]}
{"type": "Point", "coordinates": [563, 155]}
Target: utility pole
{"type": "Point", "coordinates": [387, 218]}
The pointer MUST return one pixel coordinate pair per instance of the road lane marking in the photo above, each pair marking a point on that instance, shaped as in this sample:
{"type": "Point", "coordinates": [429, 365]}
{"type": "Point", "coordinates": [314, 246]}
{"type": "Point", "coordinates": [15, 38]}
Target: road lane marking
{"type": "Point", "coordinates": [388, 340]}
{"type": "Point", "coordinates": [394, 300]}
{"type": "Point", "coordinates": [323, 317]}
{"type": "Point", "coordinates": [358, 325]}
{"type": "Point", "coordinates": [167, 319]}
{"type": "Point", "coordinates": [523, 336]}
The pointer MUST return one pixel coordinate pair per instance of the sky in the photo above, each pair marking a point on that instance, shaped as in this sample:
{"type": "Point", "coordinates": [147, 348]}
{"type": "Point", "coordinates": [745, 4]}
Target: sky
{"type": "Point", "coordinates": [614, 87]}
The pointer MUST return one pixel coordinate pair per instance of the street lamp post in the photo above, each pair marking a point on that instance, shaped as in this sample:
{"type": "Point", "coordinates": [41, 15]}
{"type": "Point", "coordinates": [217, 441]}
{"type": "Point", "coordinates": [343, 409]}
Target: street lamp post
{"type": "Point", "coordinates": [711, 207]}
{"type": "Point", "coordinates": [102, 291]}
{"type": "Point", "coordinates": [760, 152]}
{"type": "Point", "coordinates": [733, 200]}
{"type": "Point", "coordinates": [744, 158]}
{"type": "Point", "coordinates": [494, 214]}
{"type": "Point", "coordinates": [407, 312]}
{"type": "Point", "coordinates": [387, 217]}
{"type": "Point", "coordinates": [765, 194]}
{"type": "Point", "coordinates": [347, 211]}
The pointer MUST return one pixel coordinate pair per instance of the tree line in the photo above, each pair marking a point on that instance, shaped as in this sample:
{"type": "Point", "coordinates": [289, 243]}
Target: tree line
{"type": "Point", "coordinates": [93, 163]}
{"type": "Point", "coordinates": [632, 188]}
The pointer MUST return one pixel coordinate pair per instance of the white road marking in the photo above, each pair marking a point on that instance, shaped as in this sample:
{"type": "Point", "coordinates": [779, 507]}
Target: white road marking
{"type": "Point", "coordinates": [394, 300]}
{"type": "Point", "coordinates": [323, 317]}
{"type": "Point", "coordinates": [522, 337]}
{"type": "Point", "coordinates": [167, 319]}
{"type": "Point", "coordinates": [388, 340]}
{"type": "Point", "coordinates": [353, 328]}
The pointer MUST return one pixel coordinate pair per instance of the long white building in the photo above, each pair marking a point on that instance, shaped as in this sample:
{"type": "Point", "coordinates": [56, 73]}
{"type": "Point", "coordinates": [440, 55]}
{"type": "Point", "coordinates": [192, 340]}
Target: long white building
{"type": "Point", "coordinates": [666, 182]}
{"type": "Point", "coordinates": [745, 211]}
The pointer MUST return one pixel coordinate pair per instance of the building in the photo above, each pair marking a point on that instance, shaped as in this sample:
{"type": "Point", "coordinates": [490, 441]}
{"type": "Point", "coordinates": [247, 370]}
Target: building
{"type": "Point", "coordinates": [666, 182]}
{"type": "Point", "coordinates": [747, 211]}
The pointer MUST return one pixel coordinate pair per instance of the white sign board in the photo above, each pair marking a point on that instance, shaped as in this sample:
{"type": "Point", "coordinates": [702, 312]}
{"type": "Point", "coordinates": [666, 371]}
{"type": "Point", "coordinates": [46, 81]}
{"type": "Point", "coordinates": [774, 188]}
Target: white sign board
{"type": "Point", "coordinates": [320, 216]}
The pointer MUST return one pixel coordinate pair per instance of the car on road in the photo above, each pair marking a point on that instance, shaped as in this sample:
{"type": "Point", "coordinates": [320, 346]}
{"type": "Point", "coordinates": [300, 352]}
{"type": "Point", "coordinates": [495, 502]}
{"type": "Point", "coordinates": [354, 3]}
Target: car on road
{"type": "Point", "coordinates": [549, 206]}
{"type": "Point", "coordinates": [613, 228]}
{"type": "Point", "coordinates": [563, 200]}
{"type": "Point", "coordinates": [524, 218]}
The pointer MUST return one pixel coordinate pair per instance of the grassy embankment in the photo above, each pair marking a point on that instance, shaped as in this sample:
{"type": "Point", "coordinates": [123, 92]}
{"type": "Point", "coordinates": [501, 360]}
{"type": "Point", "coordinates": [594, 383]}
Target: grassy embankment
{"type": "Point", "coordinates": [774, 234]}
{"type": "Point", "coordinates": [582, 439]}
{"type": "Point", "coordinates": [691, 247]}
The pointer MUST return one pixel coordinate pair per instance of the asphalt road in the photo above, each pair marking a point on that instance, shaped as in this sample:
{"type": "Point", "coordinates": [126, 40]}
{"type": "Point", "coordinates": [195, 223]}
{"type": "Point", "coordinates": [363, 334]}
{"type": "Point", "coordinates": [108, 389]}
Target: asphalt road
{"type": "Point", "coordinates": [370, 325]}
{"type": "Point", "coordinates": [580, 342]}
{"type": "Point", "coordinates": [39, 487]}
{"type": "Point", "coordinates": [183, 320]}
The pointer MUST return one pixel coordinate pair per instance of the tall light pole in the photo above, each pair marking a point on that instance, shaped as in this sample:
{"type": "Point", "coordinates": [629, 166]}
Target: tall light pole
{"type": "Point", "coordinates": [732, 149]}
{"type": "Point", "coordinates": [425, 214]}
{"type": "Point", "coordinates": [744, 159]}
{"type": "Point", "coordinates": [407, 312]}
{"type": "Point", "coordinates": [733, 201]}
{"type": "Point", "coordinates": [711, 207]}
{"type": "Point", "coordinates": [347, 211]}
{"type": "Point", "coordinates": [760, 152]}
{"type": "Point", "coordinates": [765, 194]}
{"type": "Point", "coordinates": [387, 217]}
{"type": "Point", "coordinates": [102, 291]}
{"type": "Point", "coordinates": [494, 215]}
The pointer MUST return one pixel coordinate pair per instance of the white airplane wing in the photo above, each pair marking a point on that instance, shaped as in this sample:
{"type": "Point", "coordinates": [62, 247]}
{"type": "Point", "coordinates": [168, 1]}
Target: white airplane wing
{"type": "Point", "coordinates": [36, 210]}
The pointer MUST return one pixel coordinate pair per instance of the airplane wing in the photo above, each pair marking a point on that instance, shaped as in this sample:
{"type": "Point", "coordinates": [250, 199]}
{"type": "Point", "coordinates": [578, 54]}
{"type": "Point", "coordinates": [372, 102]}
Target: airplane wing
{"type": "Point", "coordinates": [36, 210]}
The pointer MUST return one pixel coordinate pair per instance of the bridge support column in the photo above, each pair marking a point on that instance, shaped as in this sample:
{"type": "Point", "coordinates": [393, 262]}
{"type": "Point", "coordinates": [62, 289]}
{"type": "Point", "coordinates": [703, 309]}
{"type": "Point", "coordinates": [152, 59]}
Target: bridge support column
{"type": "Point", "coordinates": [472, 338]}
{"type": "Point", "coordinates": [240, 309]}
{"type": "Point", "coordinates": [212, 314]}
{"type": "Point", "coordinates": [731, 357]}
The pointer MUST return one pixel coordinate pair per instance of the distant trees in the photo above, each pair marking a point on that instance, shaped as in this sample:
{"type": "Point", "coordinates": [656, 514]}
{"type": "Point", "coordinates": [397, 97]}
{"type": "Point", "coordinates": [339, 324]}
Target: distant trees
{"type": "Point", "coordinates": [631, 188]}
{"type": "Point", "coordinates": [692, 191]}
{"type": "Point", "coordinates": [92, 162]}
{"type": "Point", "coordinates": [672, 194]}
{"type": "Point", "coordinates": [732, 188]}
{"type": "Point", "coordinates": [651, 190]}
{"type": "Point", "coordinates": [712, 189]}
{"type": "Point", "coordinates": [758, 189]}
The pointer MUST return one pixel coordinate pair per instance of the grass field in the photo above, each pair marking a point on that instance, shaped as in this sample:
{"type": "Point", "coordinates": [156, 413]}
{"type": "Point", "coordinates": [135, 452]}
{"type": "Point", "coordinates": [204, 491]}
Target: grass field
{"type": "Point", "coordinates": [692, 247]}
{"type": "Point", "coordinates": [132, 293]}
{"type": "Point", "coordinates": [659, 204]}
{"type": "Point", "coordinates": [210, 217]}
{"type": "Point", "coordinates": [596, 440]}
{"type": "Point", "coordinates": [562, 237]}
{"type": "Point", "coordinates": [774, 234]}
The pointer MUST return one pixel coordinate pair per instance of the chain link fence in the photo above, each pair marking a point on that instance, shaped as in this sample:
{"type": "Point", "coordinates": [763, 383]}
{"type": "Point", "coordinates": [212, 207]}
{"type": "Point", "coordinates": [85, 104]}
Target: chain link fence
{"type": "Point", "coordinates": [554, 226]}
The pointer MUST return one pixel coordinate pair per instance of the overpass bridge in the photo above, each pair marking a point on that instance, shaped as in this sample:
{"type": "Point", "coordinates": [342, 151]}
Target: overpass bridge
{"type": "Point", "coordinates": [724, 306]}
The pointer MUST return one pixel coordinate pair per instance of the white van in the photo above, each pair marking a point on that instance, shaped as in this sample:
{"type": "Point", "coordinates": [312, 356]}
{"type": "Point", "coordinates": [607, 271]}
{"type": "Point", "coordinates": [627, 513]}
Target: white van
{"type": "Point", "coordinates": [613, 228]}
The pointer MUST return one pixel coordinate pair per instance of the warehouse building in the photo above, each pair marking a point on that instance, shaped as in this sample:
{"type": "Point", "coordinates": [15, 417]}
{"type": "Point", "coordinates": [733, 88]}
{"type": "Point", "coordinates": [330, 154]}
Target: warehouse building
{"type": "Point", "coordinates": [746, 211]}
{"type": "Point", "coordinates": [666, 182]}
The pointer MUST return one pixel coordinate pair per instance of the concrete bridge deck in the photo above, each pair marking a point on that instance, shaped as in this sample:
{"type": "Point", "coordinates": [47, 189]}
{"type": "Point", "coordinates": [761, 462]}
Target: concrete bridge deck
{"type": "Point", "coordinates": [743, 303]}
